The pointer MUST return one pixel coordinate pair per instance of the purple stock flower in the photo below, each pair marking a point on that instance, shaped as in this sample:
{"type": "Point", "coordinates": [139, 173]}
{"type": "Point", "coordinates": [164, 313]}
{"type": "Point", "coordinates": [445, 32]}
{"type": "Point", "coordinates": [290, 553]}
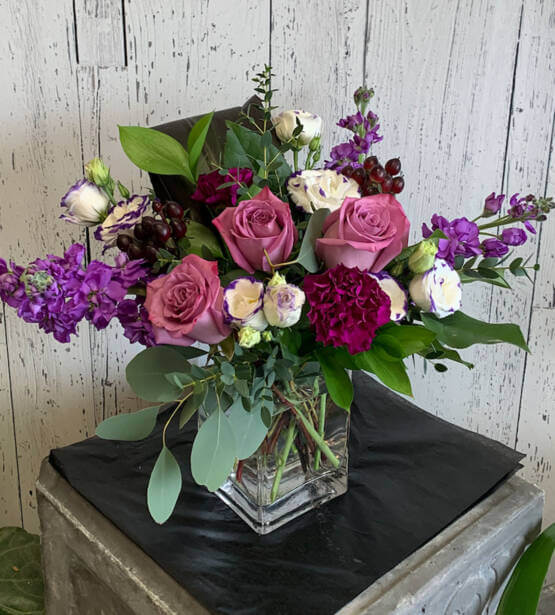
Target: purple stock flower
{"type": "Point", "coordinates": [518, 206]}
{"type": "Point", "coordinates": [134, 319]}
{"type": "Point", "coordinates": [493, 204]}
{"type": "Point", "coordinates": [461, 237]}
{"type": "Point", "coordinates": [492, 247]}
{"type": "Point", "coordinates": [513, 236]}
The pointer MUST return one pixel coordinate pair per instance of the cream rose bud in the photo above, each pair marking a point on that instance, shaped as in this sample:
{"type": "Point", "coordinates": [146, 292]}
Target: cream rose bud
{"type": "Point", "coordinates": [321, 189]}
{"type": "Point", "coordinates": [248, 337]}
{"type": "Point", "coordinates": [283, 302]}
{"type": "Point", "coordinates": [286, 122]}
{"type": "Point", "coordinates": [85, 204]}
{"type": "Point", "coordinates": [438, 290]}
{"type": "Point", "coordinates": [396, 294]}
{"type": "Point", "coordinates": [243, 303]}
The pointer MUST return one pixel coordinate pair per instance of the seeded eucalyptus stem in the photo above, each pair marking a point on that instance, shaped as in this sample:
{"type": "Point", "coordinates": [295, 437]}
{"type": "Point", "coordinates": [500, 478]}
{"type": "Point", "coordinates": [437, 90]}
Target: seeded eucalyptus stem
{"type": "Point", "coordinates": [282, 458]}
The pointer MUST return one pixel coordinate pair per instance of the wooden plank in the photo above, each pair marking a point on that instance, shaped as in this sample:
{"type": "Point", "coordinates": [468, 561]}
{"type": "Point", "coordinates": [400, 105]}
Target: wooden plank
{"type": "Point", "coordinates": [10, 499]}
{"type": "Point", "coordinates": [434, 97]}
{"type": "Point", "coordinates": [100, 36]}
{"type": "Point", "coordinates": [51, 383]}
{"type": "Point", "coordinates": [318, 71]}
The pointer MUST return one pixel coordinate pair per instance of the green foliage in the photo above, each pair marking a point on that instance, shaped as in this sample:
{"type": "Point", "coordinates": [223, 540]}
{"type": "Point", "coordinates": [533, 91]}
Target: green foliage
{"type": "Point", "coordinates": [192, 403]}
{"type": "Point", "coordinates": [411, 338]}
{"type": "Point", "coordinates": [201, 238]}
{"type": "Point", "coordinates": [146, 373]}
{"type": "Point", "coordinates": [522, 593]}
{"type": "Point", "coordinates": [338, 383]}
{"type": "Point", "coordinates": [21, 584]}
{"type": "Point", "coordinates": [248, 427]}
{"type": "Point", "coordinates": [155, 152]}
{"type": "Point", "coordinates": [461, 331]}
{"type": "Point", "coordinates": [129, 427]}
{"type": "Point", "coordinates": [213, 453]}
{"type": "Point", "coordinates": [438, 351]}
{"type": "Point", "coordinates": [307, 257]}
{"type": "Point", "coordinates": [196, 139]}
{"type": "Point", "coordinates": [164, 486]}
{"type": "Point", "coordinates": [389, 369]}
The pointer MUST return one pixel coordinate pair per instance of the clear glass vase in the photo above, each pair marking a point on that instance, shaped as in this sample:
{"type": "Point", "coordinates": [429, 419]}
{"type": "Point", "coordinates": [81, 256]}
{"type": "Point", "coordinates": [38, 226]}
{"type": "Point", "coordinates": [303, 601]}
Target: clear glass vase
{"type": "Point", "coordinates": [289, 474]}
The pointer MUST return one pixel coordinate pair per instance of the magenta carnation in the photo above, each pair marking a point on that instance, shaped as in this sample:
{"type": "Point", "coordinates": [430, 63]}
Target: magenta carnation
{"type": "Point", "coordinates": [347, 306]}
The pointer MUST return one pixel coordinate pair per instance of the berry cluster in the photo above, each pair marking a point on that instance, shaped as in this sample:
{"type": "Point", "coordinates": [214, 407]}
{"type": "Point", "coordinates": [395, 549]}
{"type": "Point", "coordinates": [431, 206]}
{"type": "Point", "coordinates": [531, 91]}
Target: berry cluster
{"type": "Point", "coordinates": [151, 234]}
{"type": "Point", "coordinates": [373, 178]}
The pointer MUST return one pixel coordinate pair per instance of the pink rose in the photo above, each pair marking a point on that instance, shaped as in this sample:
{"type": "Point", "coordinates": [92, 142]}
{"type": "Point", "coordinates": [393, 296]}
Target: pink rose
{"type": "Point", "coordinates": [366, 233]}
{"type": "Point", "coordinates": [263, 223]}
{"type": "Point", "coordinates": [185, 305]}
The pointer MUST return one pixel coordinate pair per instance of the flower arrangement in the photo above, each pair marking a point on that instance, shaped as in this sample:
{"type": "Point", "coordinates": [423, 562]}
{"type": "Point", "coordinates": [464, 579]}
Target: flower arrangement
{"type": "Point", "coordinates": [287, 275]}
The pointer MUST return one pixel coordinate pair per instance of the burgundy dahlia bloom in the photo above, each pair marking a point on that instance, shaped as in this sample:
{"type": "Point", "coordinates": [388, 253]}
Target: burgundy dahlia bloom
{"type": "Point", "coordinates": [347, 306]}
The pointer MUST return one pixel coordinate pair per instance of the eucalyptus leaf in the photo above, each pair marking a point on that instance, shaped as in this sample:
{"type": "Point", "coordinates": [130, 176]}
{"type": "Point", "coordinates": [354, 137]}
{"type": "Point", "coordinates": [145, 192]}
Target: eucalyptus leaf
{"type": "Point", "coordinates": [164, 486]}
{"type": "Point", "coordinates": [192, 403]}
{"type": "Point", "coordinates": [307, 257]}
{"type": "Point", "coordinates": [338, 383]}
{"type": "Point", "coordinates": [200, 237]}
{"type": "Point", "coordinates": [21, 584]}
{"type": "Point", "coordinates": [214, 451]}
{"type": "Point", "coordinates": [129, 427]}
{"type": "Point", "coordinates": [196, 139]}
{"type": "Point", "coordinates": [154, 151]}
{"type": "Point", "coordinates": [187, 352]}
{"type": "Point", "coordinates": [461, 331]}
{"type": "Point", "coordinates": [249, 429]}
{"type": "Point", "coordinates": [146, 373]}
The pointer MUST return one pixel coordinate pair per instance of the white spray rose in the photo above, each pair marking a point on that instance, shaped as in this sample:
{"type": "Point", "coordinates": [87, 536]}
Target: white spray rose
{"type": "Point", "coordinates": [438, 290]}
{"type": "Point", "coordinates": [85, 203]}
{"type": "Point", "coordinates": [286, 122]}
{"type": "Point", "coordinates": [243, 302]}
{"type": "Point", "coordinates": [282, 302]}
{"type": "Point", "coordinates": [321, 189]}
{"type": "Point", "coordinates": [396, 294]}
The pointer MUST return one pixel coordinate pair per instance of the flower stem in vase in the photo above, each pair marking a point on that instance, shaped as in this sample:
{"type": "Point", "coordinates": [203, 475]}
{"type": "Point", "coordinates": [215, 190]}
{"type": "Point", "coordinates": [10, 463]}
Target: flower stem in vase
{"type": "Point", "coordinates": [321, 424]}
{"type": "Point", "coordinates": [282, 459]}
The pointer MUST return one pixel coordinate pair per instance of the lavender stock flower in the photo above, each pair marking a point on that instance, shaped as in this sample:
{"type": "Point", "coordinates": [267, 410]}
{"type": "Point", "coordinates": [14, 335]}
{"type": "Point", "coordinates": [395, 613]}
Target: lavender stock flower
{"type": "Point", "coordinates": [493, 247]}
{"type": "Point", "coordinates": [493, 204]}
{"type": "Point", "coordinates": [462, 237]}
{"type": "Point", "coordinates": [513, 236]}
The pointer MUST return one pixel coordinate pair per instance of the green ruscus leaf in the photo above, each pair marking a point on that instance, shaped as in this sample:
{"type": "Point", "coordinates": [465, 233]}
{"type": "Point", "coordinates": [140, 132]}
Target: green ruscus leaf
{"type": "Point", "coordinates": [390, 370]}
{"type": "Point", "coordinates": [164, 486]}
{"type": "Point", "coordinates": [461, 331]}
{"type": "Point", "coordinates": [129, 427]}
{"type": "Point", "coordinates": [146, 373]}
{"type": "Point", "coordinates": [338, 383]}
{"type": "Point", "coordinates": [522, 593]}
{"type": "Point", "coordinates": [196, 139]}
{"type": "Point", "coordinates": [21, 584]}
{"type": "Point", "coordinates": [154, 151]}
{"type": "Point", "coordinates": [214, 451]}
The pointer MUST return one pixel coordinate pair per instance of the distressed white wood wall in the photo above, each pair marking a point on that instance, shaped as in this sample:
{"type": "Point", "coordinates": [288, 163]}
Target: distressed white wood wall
{"type": "Point", "coordinates": [465, 94]}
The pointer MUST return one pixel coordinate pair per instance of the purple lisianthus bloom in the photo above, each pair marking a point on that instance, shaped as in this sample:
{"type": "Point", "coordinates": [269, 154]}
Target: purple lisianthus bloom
{"type": "Point", "coordinates": [85, 204]}
{"type": "Point", "coordinates": [513, 236]}
{"type": "Point", "coordinates": [133, 317]}
{"type": "Point", "coordinates": [121, 220]}
{"type": "Point", "coordinates": [493, 204]}
{"type": "Point", "coordinates": [493, 247]}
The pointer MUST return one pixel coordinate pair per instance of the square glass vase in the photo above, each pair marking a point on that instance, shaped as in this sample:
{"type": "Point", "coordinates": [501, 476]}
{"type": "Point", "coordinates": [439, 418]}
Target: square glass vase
{"type": "Point", "coordinates": [266, 491]}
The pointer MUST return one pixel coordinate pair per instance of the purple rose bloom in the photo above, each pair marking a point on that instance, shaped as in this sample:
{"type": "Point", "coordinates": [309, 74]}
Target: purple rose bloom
{"type": "Point", "coordinates": [208, 186]}
{"type": "Point", "coordinates": [513, 236]}
{"type": "Point", "coordinates": [492, 247]}
{"type": "Point", "coordinates": [493, 204]}
{"type": "Point", "coordinates": [347, 306]}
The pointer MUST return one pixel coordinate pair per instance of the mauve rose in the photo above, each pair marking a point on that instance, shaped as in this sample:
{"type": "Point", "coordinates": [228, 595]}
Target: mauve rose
{"type": "Point", "coordinates": [185, 306]}
{"type": "Point", "coordinates": [366, 233]}
{"type": "Point", "coordinates": [263, 223]}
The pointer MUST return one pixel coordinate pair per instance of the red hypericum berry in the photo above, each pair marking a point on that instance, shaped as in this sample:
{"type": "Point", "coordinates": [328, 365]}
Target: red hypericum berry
{"type": "Point", "coordinates": [370, 162]}
{"type": "Point", "coordinates": [157, 205]}
{"type": "Point", "coordinates": [123, 242]}
{"type": "Point", "coordinates": [387, 184]}
{"type": "Point", "coordinates": [359, 176]}
{"type": "Point", "coordinates": [148, 223]}
{"type": "Point", "coordinates": [377, 174]}
{"type": "Point", "coordinates": [179, 229]}
{"type": "Point", "coordinates": [151, 254]}
{"type": "Point", "coordinates": [139, 231]}
{"type": "Point", "coordinates": [393, 166]}
{"type": "Point", "coordinates": [135, 251]}
{"type": "Point", "coordinates": [398, 185]}
{"type": "Point", "coordinates": [347, 170]}
{"type": "Point", "coordinates": [174, 210]}
{"type": "Point", "coordinates": [162, 231]}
